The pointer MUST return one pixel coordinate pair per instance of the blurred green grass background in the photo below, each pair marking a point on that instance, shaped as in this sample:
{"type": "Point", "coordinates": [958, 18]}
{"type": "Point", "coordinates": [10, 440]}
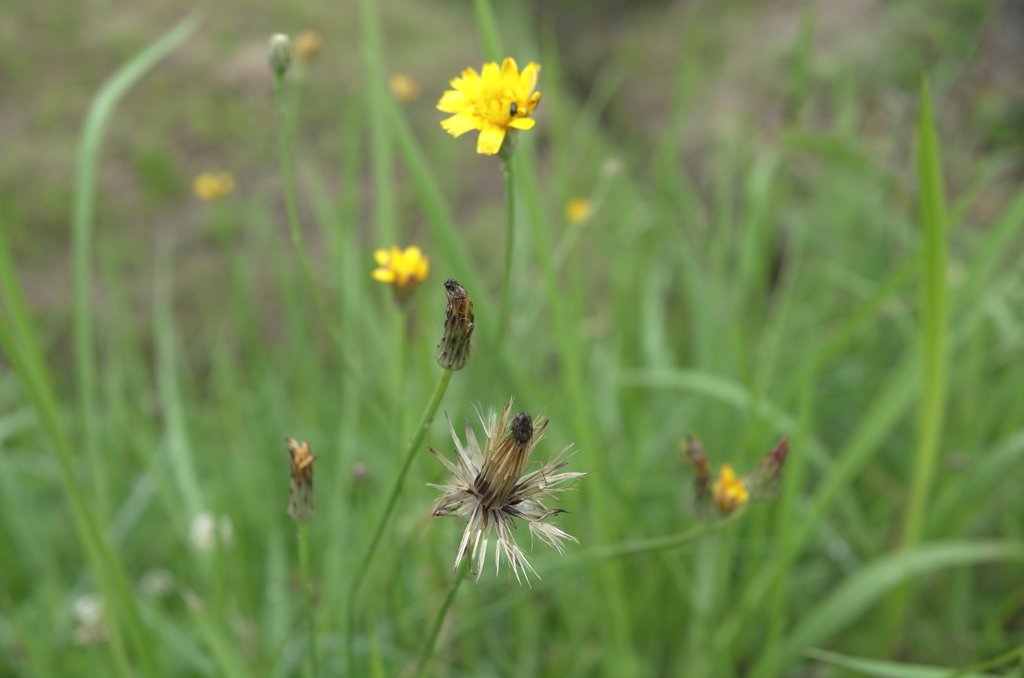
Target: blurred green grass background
{"type": "Point", "coordinates": [771, 253]}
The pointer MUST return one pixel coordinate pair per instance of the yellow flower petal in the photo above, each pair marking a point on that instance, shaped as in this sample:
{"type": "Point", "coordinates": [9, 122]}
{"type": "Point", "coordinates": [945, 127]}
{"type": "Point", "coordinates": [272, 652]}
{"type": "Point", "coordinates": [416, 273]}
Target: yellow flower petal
{"type": "Point", "coordinates": [528, 78]}
{"type": "Point", "coordinates": [384, 275]}
{"type": "Point", "coordinates": [382, 257]}
{"type": "Point", "coordinates": [509, 70]}
{"type": "Point", "coordinates": [522, 123]}
{"type": "Point", "coordinates": [490, 140]}
{"type": "Point", "coordinates": [453, 101]}
{"type": "Point", "coordinates": [458, 125]}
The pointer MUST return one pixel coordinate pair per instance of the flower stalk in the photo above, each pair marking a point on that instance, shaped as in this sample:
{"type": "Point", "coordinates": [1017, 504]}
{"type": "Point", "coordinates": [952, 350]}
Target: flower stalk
{"type": "Point", "coordinates": [279, 63]}
{"type": "Point", "coordinates": [312, 664]}
{"type": "Point", "coordinates": [458, 330]}
{"type": "Point", "coordinates": [302, 508]}
{"type": "Point", "coordinates": [410, 453]}
{"type": "Point", "coordinates": [430, 640]}
{"type": "Point", "coordinates": [510, 229]}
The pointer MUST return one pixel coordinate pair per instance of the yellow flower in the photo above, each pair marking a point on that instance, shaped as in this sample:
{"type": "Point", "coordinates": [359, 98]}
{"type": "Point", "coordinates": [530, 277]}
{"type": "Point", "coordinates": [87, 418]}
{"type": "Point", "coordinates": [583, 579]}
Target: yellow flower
{"type": "Point", "coordinates": [404, 270]}
{"type": "Point", "coordinates": [578, 210]}
{"type": "Point", "coordinates": [493, 102]}
{"type": "Point", "coordinates": [404, 88]}
{"type": "Point", "coordinates": [307, 45]}
{"type": "Point", "coordinates": [729, 490]}
{"type": "Point", "coordinates": [213, 185]}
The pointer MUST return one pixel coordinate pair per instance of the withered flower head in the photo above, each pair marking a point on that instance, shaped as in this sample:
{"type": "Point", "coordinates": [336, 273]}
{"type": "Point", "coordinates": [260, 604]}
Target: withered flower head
{"type": "Point", "coordinates": [730, 491]}
{"type": "Point", "coordinates": [453, 351]}
{"type": "Point", "coordinates": [301, 506]}
{"type": "Point", "coordinates": [490, 485]}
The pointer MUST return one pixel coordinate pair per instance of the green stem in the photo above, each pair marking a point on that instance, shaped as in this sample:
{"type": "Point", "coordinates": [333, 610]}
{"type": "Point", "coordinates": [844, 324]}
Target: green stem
{"type": "Point", "coordinates": [401, 323]}
{"type": "Point", "coordinates": [414, 446]}
{"type": "Point", "coordinates": [510, 222]}
{"type": "Point", "coordinates": [430, 640]}
{"type": "Point", "coordinates": [291, 206]}
{"type": "Point", "coordinates": [312, 665]}
{"type": "Point", "coordinates": [655, 544]}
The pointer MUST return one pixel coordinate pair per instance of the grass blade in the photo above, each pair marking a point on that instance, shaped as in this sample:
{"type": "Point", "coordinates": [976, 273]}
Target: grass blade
{"type": "Point", "coordinates": [82, 214]}
{"type": "Point", "coordinates": [854, 596]}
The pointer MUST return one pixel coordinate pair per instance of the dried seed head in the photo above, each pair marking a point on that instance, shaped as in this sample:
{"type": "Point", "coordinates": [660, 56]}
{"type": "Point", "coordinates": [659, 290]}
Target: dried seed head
{"type": "Point", "coordinates": [490, 485]}
{"type": "Point", "coordinates": [301, 505]}
{"type": "Point", "coordinates": [279, 54]}
{"type": "Point", "coordinates": [453, 351]}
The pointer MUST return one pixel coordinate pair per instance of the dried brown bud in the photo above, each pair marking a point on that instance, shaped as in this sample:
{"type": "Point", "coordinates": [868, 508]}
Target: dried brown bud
{"type": "Point", "coordinates": [301, 506]}
{"type": "Point", "coordinates": [765, 478]}
{"type": "Point", "coordinates": [702, 500]}
{"type": "Point", "coordinates": [453, 351]}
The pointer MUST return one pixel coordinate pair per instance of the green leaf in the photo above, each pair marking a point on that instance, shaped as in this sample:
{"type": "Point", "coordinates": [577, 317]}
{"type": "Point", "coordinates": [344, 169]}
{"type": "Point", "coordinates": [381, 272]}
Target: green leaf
{"type": "Point", "coordinates": [883, 669]}
{"type": "Point", "coordinates": [859, 592]}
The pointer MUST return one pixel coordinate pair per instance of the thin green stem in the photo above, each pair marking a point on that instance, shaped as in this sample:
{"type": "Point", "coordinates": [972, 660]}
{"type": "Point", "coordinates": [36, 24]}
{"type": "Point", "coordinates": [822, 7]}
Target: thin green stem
{"type": "Point", "coordinates": [410, 453]}
{"type": "Point", "coordinates": [510, 228]}
{"type": "Point", "coordinates": [312, 664]}
{"type": "Point", "coordinates": [652, 545]}
{"type": "Point", "coordinates": [291, 206]}
{"type": "Point", "coordinates": [401, 325]}
{"type": "Point", "coordinates": [430, 640]}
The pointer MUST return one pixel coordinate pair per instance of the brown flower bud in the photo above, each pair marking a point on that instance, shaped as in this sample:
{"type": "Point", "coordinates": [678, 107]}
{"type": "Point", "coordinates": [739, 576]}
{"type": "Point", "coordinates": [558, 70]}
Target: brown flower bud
{"type": "Point", "coordinates": [453, 351]}
{"type": "Point", "coordinates": [301, 506]}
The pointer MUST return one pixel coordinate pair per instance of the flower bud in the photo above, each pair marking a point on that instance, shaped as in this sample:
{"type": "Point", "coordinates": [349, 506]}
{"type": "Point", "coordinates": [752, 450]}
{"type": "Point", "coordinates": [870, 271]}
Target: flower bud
{"type": "Point", "coordinates": [279, 54]}
{"type": "Point", "coordinates": [453, 351]}
{"type": "Point", "coordinates": [301, 506]}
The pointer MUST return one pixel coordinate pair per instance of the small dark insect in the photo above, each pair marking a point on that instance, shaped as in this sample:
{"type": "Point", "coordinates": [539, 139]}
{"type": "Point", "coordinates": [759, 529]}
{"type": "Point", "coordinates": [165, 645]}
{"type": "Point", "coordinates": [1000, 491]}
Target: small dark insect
{"type": "Point", "coordinates": [512, 108]}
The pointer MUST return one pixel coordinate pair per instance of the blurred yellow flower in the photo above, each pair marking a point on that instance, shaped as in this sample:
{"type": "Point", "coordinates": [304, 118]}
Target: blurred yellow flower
{"type": "Point", "coordinates": [729, 490]}
{"type": "Point", "coordinates": [307, 45]}
{"type": "Point", "coordinates": [403, 269]}
{"type": "Point", "coordinates": [213, 185]}
{"type": "Point", "coordinates": [578, 210]}
{"type": "Point", "coordinates": [493, 102]}
{"type": "Point", "coordinates": [404, 88]}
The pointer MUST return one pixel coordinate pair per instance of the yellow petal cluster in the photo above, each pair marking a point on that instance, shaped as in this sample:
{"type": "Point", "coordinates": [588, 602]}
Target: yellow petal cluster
{"type": "Point", "coordinates": [729, 490]}
{"type": "Point", "coordinates": [492, 101]}
{"type": "Point", "coordinates": [578, 210]}
{"type": "Point", "coordinates": [403, 269]}
{"type": "Point", "coordinates": [213, 185]}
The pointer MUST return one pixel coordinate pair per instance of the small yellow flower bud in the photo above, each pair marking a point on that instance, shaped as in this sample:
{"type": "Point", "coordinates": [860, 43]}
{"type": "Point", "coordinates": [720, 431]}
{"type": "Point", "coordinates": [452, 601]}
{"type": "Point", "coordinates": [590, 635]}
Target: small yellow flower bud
{"type": "Point", "coordinates": [301, 506]}
{"type": "Point", "coordinates": [403, 88]}
{"type": "Point", "coordinates": [307, 45]}
{"type": "Point", "coordinates": [729, 491]}
{"type": "Point", "coordinates": [279, 53]}
{"type": "Point", "coordinates": [213, 185]}
{"type": "Point", "coordinates": [453, 351]}
{"type": "Point", "coordinates": [578, 210]}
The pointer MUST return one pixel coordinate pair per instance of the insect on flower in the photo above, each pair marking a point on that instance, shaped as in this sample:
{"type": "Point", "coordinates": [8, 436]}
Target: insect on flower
{"type": "Point", "coordinates": [729, 491]}
{"type": "Point", "coordinates": [491, 486]}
